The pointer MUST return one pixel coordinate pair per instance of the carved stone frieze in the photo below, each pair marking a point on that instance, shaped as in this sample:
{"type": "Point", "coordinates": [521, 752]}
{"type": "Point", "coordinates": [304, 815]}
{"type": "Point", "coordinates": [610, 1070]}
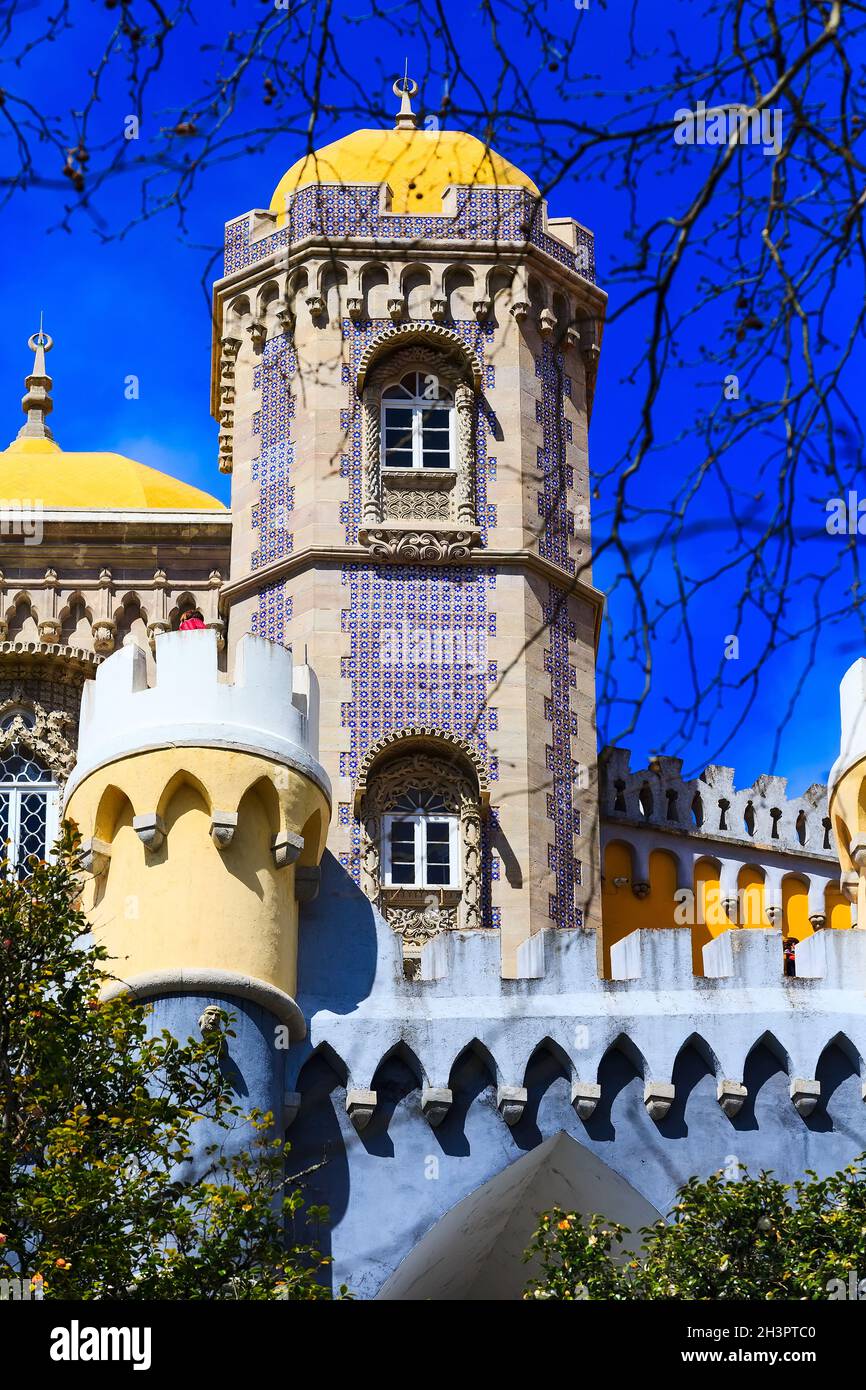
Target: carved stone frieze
{"type": "Point", "coordinates": [429, 547]}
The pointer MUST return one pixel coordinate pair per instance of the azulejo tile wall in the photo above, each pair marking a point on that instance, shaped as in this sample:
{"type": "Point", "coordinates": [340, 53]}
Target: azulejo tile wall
{"type": "Point", "coordinates": [418, 635]}
{"type": "Point", "coordinates": [561, 809]}
{"type": "Point", "coordinates": [341, 210]}
{"type": "Point", "coordinates": [557, 477]}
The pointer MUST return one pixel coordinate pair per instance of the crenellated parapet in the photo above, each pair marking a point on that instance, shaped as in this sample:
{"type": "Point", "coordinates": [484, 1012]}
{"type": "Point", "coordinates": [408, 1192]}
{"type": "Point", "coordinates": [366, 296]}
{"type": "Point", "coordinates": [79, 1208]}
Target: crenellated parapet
{"type": "Point", "coordinates": [712, 808]}
{"type": "Point", "coordinates": [652, 1009]}
{"type": "Point", "coordinates": [770, 856]}
{"type": "Point", "coordinates": [203, 811]}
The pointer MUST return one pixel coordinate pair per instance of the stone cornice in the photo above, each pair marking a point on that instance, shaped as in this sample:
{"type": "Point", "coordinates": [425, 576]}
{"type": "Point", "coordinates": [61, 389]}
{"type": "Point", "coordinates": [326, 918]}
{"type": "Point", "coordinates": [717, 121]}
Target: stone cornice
{"type": "Point", "coordinates": [337, 556]}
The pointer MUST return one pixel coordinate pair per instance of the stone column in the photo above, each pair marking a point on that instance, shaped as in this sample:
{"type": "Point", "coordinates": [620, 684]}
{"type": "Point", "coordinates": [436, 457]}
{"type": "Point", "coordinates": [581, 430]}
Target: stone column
{"type": "Point", "coordinates": [372, 506]}
{"type": "Point", "coordinates": [465, 503]}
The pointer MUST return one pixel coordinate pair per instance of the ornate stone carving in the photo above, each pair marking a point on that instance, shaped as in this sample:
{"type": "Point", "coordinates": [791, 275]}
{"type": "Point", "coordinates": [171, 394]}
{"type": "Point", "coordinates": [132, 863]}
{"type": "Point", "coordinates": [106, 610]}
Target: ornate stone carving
{"type": "Point", "coordinates": [104, 631]}
{"type": "Point", "coordinates": [464, 402]}
{"type": "Point", "coordinates": [258, 333]}
{"type": "Point", "coordinates": [417, 914]}
{"type": "Point", "coordinates": [48, 735]}
{"type": "Point", "coordinates": [547, 323]}
{"type": "Point", "coordinates": [414, 504]}
{"type": "Point", "coordinates": [481, 309]}
{"type": "Point", "coordinates": [429, 547]}
{"type": "Point", "coordinates": [396, 309]}
{"type": "Point", "coordinates": [438, 310]}
{"type": "Point", "coordinates": [520, 310]}
{"type": "Point", "coordinates": [448, 343]}
{"type": "Point", "coordinates": [355, 307]}
{"type": "Point", "coordinates": [316, 305]}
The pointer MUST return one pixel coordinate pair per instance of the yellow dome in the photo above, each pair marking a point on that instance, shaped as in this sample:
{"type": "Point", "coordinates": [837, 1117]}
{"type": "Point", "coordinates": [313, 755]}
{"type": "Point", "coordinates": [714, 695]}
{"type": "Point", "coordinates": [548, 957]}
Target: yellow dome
{"type": "Point", "coordinates": [37, 470]}
{"type": "Point", "coordinates": [416, 164]}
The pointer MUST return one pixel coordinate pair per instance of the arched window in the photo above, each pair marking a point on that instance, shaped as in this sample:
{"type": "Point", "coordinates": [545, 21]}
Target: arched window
{"type": "Point", "coordinates": [421, 842]}
{"type": "Point", "coordinates": [418, 423]}
{"type": "Point", "coordinates": [29, 804]}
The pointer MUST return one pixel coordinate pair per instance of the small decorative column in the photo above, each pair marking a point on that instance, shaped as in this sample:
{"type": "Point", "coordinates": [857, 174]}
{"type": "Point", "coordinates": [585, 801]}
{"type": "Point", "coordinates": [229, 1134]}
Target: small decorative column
{"type": "Point", "coordinates": [372, 507]}
{"type": "Point", "coordinates": [464, 400]}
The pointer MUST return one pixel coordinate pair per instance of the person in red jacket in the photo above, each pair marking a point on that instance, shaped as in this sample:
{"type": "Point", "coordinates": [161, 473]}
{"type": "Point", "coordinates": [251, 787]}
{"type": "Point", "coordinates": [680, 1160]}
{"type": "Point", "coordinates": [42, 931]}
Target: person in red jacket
{"type": "Point", "coordinates": [191, 620]}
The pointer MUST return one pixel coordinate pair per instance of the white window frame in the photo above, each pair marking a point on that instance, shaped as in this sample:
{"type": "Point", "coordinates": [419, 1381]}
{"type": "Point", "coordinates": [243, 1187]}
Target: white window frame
{"type": "Point", "coordinates": [418, 404]}
{"type": "Point", "coordinates": [15, 790]}
{"type": "Point", "coordinates": [420, 849]}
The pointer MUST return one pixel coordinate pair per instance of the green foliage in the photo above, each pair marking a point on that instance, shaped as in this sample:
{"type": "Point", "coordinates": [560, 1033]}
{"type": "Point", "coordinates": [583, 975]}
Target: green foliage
{"type": "Point", "coordinates": [755, 1238]}
{"type": "Point", "coordinates": [97, 1119]}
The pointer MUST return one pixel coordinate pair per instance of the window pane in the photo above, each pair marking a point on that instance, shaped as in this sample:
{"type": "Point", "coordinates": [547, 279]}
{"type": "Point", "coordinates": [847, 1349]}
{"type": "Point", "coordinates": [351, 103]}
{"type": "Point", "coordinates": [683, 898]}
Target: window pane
{"type": "Point", "coordinates": [435, 420]}
{"type": "Point", "coordinates": [31, 828]}
{"type": "Point", "coordinates": [438, 852]}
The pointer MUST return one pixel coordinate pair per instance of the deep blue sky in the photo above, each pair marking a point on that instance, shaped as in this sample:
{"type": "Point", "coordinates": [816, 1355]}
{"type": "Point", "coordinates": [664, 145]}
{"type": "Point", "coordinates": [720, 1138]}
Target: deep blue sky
{"type": "Point", "coordinates": [135, 304]}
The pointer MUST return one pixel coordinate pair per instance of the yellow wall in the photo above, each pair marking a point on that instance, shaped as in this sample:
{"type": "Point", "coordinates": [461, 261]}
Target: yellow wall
{"type": "Point", "coordinates": [623, 912]}
{"type": "Point", "coordinates": [191, 905]}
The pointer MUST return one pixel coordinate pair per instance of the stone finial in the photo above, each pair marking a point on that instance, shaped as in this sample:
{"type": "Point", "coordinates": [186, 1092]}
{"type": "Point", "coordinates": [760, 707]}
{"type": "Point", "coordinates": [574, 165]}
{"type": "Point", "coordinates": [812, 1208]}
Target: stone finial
{"type": "Point", "coordinates": [37, 403]}
{"type": "Point", "coordinates": [405, 88]}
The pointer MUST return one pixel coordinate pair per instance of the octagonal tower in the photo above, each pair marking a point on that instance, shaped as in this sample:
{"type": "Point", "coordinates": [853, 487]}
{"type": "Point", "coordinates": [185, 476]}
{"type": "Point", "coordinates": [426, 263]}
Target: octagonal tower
{"type": "Point", "coordinates": [403, 373]}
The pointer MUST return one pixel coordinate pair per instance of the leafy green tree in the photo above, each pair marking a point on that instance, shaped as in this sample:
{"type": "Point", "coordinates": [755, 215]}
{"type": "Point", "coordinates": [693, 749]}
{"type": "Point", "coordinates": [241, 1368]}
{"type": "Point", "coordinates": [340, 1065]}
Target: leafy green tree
{"type": "Point", "coordinates": [97, 1124]}
{"type": "Point", "coordinates": [752, 1239]}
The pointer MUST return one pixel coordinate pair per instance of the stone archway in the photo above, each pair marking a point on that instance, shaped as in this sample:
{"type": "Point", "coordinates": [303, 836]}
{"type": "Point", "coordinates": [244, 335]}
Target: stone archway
{"type": "Point", "coordinates": [475, 1251]}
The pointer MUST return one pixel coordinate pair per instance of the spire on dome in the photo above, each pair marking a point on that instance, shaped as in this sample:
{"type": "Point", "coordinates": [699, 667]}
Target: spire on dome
{"type": "Point", "coordinates": [405, 88]}
{"type": "Point", "coordinates": [37, 404]}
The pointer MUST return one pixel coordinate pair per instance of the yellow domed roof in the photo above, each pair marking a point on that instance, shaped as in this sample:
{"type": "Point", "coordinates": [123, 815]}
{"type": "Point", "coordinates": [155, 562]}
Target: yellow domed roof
{"type": "Point", "coordinates": [418, 165]}
{"type": "Point", "coordinates": [37, 470]}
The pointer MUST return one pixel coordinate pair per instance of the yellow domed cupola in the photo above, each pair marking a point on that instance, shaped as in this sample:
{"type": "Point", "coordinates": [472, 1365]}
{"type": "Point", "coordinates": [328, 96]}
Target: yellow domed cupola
{"type": "Point", "coordinates": [35, 470]}
{"type": "Point", "coordinates": [417, 165]}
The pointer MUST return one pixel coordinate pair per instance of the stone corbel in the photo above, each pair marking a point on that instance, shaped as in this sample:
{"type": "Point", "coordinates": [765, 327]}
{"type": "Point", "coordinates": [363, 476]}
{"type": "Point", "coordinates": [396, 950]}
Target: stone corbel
{"type": "Point", "coordinates": [307, 881]}
{"type": "Point", "coordinates": [585, 1096]}
{"type": "Point", "coordinates": [640, 889]}
{"type": "Point", "coordinates": [223, 825]}
{"type": "Point", "coordinates": [481, 309]}
{"type": "Point", "coordinates": [438, 310]}
{"type": "Point", "coordinates": [150, 829]}
{"type": "Point", "coordinates": [360, 1107]}
{"type": "Point", "coordinates": [520, 310]}
{"type": "Point", "coordinates": [94, 856]}
{"type": "Point", "coordinates": [316, 306]}
{"type": "Point", "coordinates": [291, 1106]}
{"type": "Point", "coordinates": [658, 1097]}
{"type": "Point", "coordinates": [104, 631]}
{"type": "Point", "coordinates": [848, 884]}
{"type": "Point", "coordinates": [286, 317]}
{"type": "Point", "coordinates": [805, 1093]}
{"type": "Point", "coordinates": [818, 921]}
{"type": "Point", "coordinates": [155, 630]}
{"type": "Point", "coordinates": [511, 1102]}
{"type": "Point", "coordinates": [286, 848]}
{"type": "Point", "coordinates": [49, 631]}
{"type": "Point", "coordinates": [732, 1096]}
{"type": "Point", "coordinates": [226, 450]}
{"type": "Point", "coordinates": [436, 1101]}
{"type": "Point", "coordinates": [258, 333]}
{"type": "Point", "coordinates": [547, 323]}
{"type": "Point", "coordinates": [396, 309]}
